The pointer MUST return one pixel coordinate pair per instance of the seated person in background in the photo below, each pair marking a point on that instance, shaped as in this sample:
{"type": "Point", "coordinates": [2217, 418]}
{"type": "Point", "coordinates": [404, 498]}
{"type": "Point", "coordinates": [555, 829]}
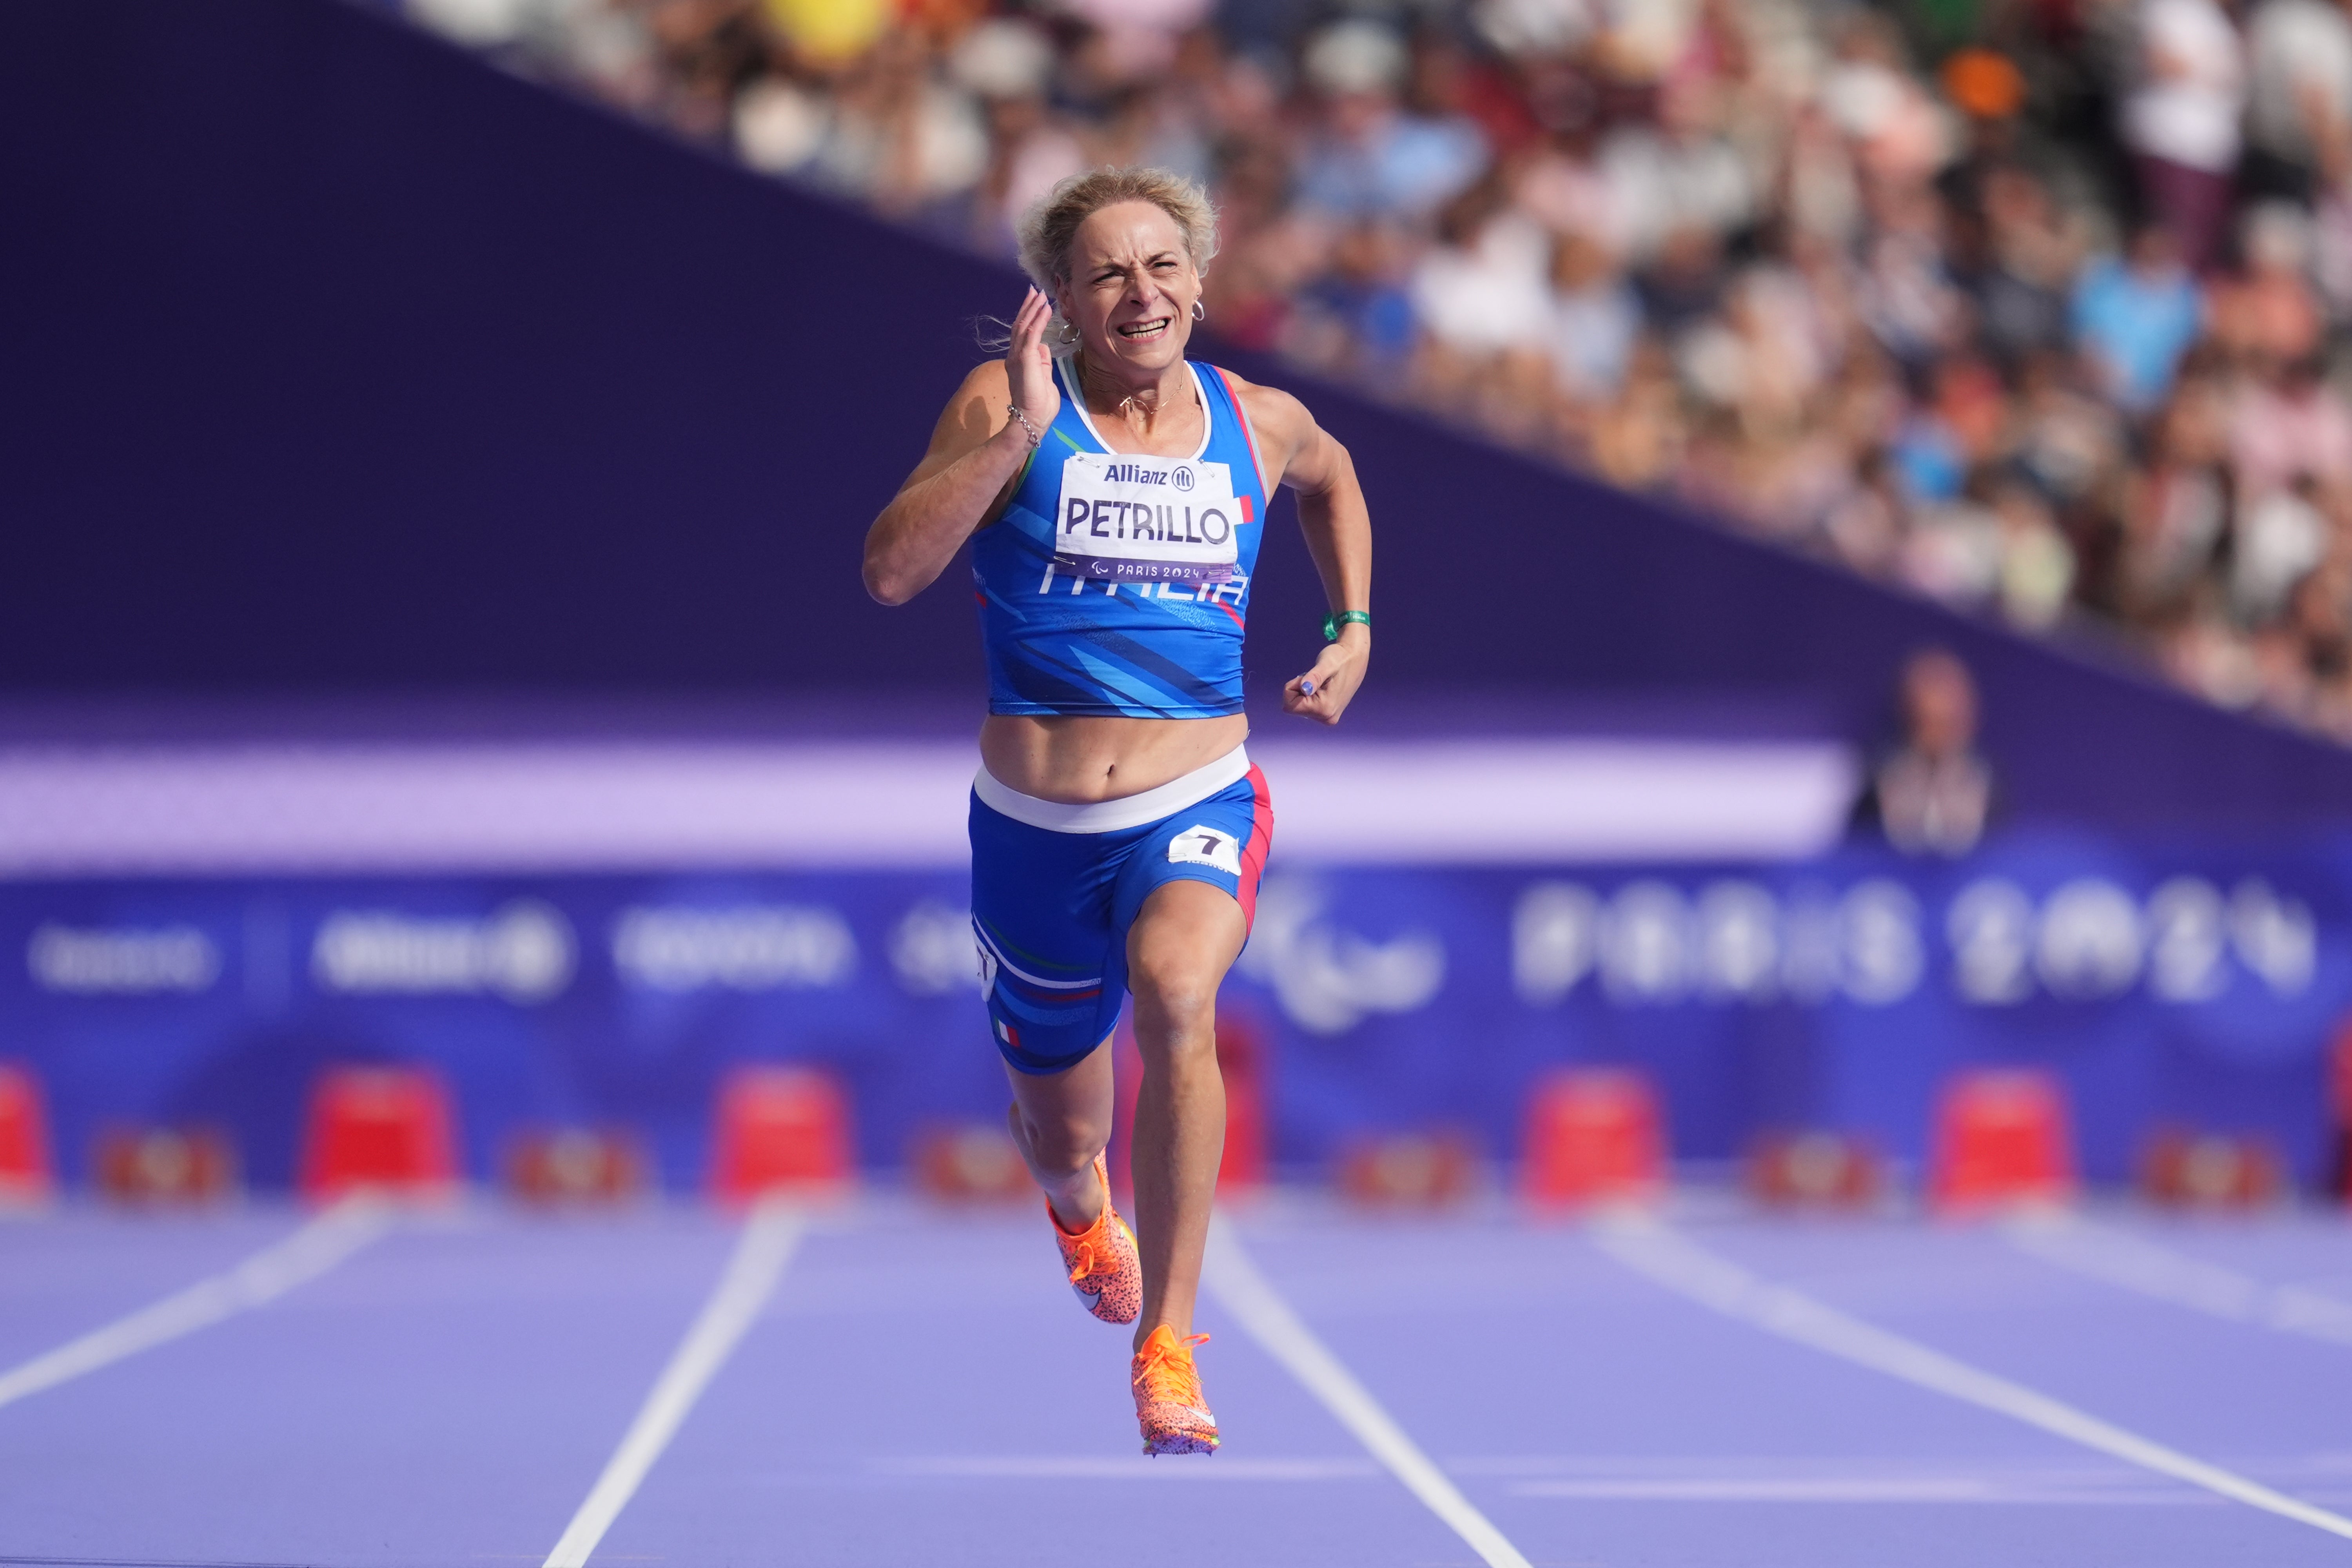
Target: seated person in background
{"type": "Point", "coordinates": [1932, 794]}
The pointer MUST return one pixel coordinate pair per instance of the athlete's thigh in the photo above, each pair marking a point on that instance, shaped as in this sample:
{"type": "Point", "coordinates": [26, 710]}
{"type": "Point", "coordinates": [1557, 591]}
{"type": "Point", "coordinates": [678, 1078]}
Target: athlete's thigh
{"type": "Point", "coordinates": [1041, 915]}
{"type": "Point", "coordinates": [1188, 886]}
{"type": "Point", "coordinates": [1182, 940]}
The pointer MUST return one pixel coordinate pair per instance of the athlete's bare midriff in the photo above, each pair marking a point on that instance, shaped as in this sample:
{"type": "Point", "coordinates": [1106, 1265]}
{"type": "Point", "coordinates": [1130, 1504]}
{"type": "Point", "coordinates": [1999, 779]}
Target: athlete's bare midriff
{"type": "Point", "coordinates": [1082, 759]}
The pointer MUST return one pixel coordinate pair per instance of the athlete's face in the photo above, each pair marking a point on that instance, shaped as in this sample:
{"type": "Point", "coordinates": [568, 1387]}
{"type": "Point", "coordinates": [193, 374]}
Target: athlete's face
{"type": "Point", "coordinates": [1131, 287]}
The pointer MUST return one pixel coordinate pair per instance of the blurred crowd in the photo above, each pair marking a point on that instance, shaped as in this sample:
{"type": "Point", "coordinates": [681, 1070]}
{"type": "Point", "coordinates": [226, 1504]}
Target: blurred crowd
{"type": "Point", "coordinates": [2039, 307]}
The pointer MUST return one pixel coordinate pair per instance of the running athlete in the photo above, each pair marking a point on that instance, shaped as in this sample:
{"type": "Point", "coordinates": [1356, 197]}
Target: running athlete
{"type": "Point", "coordinates": [1114, 493]}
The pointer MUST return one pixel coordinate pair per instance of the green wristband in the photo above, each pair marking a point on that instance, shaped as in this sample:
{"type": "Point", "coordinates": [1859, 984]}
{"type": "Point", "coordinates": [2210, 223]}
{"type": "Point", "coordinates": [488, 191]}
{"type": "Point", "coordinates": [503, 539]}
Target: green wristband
{"type": "Point", "coordinates": [1333, 623]}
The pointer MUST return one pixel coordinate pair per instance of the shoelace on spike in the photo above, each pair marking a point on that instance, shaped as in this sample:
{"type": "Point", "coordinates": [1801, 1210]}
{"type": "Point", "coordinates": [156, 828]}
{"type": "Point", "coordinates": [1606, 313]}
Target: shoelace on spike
{"type": "Point", "coordinates": [1168, 1375]}
{"type": "Point", "coordinates": [1087, 1255]}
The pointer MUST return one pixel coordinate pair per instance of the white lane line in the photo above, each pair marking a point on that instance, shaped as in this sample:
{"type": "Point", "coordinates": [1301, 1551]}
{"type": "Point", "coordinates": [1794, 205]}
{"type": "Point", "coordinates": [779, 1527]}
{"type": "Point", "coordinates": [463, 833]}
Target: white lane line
{"type": "Point", "coordinates": [1245, 1292]}
{"type": "Point", "coordinates": [1647, 1247]}
{"type": "Point", "coordinates": [268, 1274]}
{"type": "Point", "coordinates": [1100, 1467]}
{"type": "Point", "coordinates": [1864, 1489]}
{"type": "Point", "coordinates": [2134, 1263]}
{"type": "Point", "coordinates": [765, 1246]}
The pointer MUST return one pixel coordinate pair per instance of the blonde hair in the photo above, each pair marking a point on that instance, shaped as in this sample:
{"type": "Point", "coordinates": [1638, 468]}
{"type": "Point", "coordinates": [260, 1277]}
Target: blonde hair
{"type": "Point", "coordinates": [1047, 229]}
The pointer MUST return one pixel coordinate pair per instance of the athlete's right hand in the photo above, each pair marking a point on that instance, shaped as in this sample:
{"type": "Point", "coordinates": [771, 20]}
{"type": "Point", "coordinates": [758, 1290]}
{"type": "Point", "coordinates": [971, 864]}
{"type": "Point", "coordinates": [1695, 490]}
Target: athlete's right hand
{"type": "Point", "coordinates": [1029, 363]}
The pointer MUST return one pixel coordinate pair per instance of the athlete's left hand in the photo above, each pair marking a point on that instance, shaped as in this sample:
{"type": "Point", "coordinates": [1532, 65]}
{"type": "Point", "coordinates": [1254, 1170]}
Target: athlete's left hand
{"type": "Point", "coordinates": [1323, 692]}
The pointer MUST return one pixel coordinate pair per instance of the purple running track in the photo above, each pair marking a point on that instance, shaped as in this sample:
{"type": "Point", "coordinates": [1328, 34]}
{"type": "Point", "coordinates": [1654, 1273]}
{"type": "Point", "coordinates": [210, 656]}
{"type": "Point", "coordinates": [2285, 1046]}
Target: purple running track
{"type": "Point", "coordinates": [921, 1389]}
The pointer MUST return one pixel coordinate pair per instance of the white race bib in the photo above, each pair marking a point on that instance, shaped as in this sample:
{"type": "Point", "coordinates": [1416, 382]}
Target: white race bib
{"type": "Point", "coordinates": [1198, 846]}
{"type": "Point", "coordinates": [1127, 519]}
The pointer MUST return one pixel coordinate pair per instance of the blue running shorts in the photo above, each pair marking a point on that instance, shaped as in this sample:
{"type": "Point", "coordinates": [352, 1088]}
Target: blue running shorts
{"type": "Point", "coordinates": [1055, 888]}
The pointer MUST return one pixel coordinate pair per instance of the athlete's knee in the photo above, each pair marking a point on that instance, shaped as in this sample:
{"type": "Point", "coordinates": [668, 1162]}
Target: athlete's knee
{"type": "Point", "coordinates": [1176, 989]}
{"type": "Point", "coordinates": [1061, 1145]}
{"type": "Point", "coordinates": [1178, 952]}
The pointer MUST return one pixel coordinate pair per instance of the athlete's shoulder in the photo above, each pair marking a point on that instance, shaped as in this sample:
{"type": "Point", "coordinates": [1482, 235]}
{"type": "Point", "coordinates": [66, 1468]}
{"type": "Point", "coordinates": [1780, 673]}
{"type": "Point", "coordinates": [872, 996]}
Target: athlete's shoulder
{"type": "Point", "coordinates": [1283, 425]}
{"type": "Point", "coordinates": [1272, 410]}
{"type": "Point", "coordinates": [985, 380]}
{"type": "Point", "coordinates": [970, 417]}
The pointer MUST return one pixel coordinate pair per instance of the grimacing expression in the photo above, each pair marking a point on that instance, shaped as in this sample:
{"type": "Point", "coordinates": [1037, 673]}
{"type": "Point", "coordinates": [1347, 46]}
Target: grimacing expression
{"type": "Point", "coordinates": [1131, 287]}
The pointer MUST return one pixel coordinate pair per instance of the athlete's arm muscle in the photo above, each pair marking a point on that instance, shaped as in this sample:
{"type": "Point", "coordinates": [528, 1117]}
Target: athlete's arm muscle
{"type": "Point", "coordinates": [975, 455]}
{"type": "Point", "coordinates": [975, 459]}
{"type": "Point", "coordinates": [1338, 528]}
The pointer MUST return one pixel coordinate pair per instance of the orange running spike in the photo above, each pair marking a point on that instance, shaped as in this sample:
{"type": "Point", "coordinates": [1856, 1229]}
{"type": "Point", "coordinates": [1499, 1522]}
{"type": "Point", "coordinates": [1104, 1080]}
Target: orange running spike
{"type": "Point", "coordinates": [1104, 1268]}
{"type": "Point", "coordinates": [1168, 1404]}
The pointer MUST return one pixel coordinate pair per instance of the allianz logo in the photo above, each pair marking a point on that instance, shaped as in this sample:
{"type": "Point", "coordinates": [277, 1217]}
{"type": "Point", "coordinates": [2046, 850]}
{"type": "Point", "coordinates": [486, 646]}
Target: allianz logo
{"type": "Point", "coordinates": [122, 961]}
{"type": "Point", "coordinates": [747, 947]}
{"type": "Point", "coordinates": [522, 951]}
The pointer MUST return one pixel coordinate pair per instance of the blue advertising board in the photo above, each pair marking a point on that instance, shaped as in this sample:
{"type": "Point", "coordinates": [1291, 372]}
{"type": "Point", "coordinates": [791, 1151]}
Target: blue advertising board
{"type": "Point", "coordinates": [2191, 983]}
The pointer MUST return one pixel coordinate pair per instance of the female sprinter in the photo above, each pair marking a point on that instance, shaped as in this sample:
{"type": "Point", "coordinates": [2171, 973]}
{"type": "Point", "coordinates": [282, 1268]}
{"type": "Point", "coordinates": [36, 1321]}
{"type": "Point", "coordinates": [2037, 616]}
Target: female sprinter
{"type": "Point", "coordinates": [1114, 494]}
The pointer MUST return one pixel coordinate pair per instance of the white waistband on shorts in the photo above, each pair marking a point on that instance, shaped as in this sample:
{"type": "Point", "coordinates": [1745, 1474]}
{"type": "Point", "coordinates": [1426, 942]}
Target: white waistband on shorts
{"type": "Point", "coordinates": [1112, 815]}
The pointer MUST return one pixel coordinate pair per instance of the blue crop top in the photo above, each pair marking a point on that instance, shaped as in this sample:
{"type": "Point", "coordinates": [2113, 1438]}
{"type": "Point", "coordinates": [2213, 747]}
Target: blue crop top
{"type": "Point", "coordinates": [1117, 585]}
